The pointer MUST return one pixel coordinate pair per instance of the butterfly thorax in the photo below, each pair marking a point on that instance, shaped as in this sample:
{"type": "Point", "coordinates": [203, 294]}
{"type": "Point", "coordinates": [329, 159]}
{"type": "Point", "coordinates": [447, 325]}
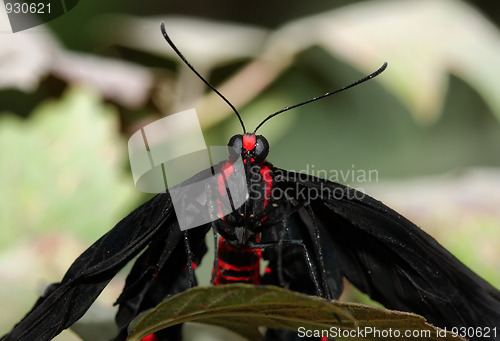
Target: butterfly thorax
{"type": "Point", "coordinates": [240, 227]}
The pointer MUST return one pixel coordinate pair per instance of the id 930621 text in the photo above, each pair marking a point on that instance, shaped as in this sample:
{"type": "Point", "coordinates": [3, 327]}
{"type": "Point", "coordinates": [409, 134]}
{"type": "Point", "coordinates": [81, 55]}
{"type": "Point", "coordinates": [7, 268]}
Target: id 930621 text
{"type": "Point", "coordinates": [25, 8]}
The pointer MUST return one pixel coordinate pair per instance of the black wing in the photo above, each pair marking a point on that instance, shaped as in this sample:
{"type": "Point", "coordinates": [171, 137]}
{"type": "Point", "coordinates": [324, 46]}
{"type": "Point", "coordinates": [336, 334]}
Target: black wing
{"type": "Point", "coordinates": [391, 259]}
{"type": "Point", "coordinates": [154, 278]}
{"type": "Point", "coordinates": [65, 302]}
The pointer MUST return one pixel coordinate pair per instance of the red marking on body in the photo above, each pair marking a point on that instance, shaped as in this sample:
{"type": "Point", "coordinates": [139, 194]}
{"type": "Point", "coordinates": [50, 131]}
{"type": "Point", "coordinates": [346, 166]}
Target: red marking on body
{"type": "Point", "coordinates": [192, 264]}
{"type": "Point", "coordinates": [221, 185]}
{"type": "Point", "coordinates": [226, 266]}
{"type": "Point", "coordinates": [265, 172]}
{"type": "Point", "coordinates": [235, 279]}
{"type": "Point", "coordinates": [268, 270]}
{"type": "Point", "coordinates": [226, 170]}
{"type": "Point", "coordinates": [237, 265]}
{"type": "Point", "coordinates": [249, 142]}
{"type": "Point", "coordinates": [150, 337]}
{"type": "Point", "coordinates": [324, 338]}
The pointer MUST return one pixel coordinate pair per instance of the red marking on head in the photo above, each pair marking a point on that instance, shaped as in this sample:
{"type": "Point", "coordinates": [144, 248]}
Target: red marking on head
{"type": "Point", "coordinates": [268, 270]}
{"type": "Point", "coordinates": [150, 337]}
{"type": "Point", "coordinates": [249, 142]}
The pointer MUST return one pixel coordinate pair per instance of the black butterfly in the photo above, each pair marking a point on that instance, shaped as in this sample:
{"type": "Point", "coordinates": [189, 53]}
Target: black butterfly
{"type": "Point", "coordinates": [312, 231]}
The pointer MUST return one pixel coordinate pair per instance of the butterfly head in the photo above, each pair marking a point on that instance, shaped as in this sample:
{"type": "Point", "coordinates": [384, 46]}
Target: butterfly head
{"type": "Point", "coordinates": [252, 148]}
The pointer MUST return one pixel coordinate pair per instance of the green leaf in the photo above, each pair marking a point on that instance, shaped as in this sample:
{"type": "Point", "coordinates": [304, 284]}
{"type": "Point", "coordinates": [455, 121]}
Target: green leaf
{"type": "Point", "coordinates": [244, 308]}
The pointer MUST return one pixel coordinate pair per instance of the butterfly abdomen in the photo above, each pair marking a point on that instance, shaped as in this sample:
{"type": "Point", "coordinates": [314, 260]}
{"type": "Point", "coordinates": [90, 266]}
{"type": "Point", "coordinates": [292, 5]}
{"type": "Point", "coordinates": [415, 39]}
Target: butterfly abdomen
{"type": "Point", "coordinates": [237, 265]}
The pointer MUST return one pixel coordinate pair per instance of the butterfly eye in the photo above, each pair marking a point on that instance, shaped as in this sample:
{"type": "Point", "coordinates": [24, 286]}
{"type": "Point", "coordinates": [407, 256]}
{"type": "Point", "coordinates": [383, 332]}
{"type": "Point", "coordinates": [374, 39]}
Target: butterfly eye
{"type": "Point", "coordinates": [235, 146]}
{"type": "Point", "coordinates": [261, 147]}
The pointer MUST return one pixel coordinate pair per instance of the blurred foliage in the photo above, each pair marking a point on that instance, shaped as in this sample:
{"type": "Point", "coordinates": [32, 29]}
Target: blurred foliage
{"type": "Point", "coordinates": [435, 110]}
{"type": "Point", "coordinates": [63, 162]}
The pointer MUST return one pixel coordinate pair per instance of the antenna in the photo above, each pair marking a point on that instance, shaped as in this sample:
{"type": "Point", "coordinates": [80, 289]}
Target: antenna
{"type": "Point", "coordinates": [367, 78]}
{"type": "Point", "coordinates": [172, 45]}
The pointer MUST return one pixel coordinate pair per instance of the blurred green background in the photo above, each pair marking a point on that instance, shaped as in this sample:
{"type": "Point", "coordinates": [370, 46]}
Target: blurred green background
{"type": "Point", "coordinates": [72, 91]}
